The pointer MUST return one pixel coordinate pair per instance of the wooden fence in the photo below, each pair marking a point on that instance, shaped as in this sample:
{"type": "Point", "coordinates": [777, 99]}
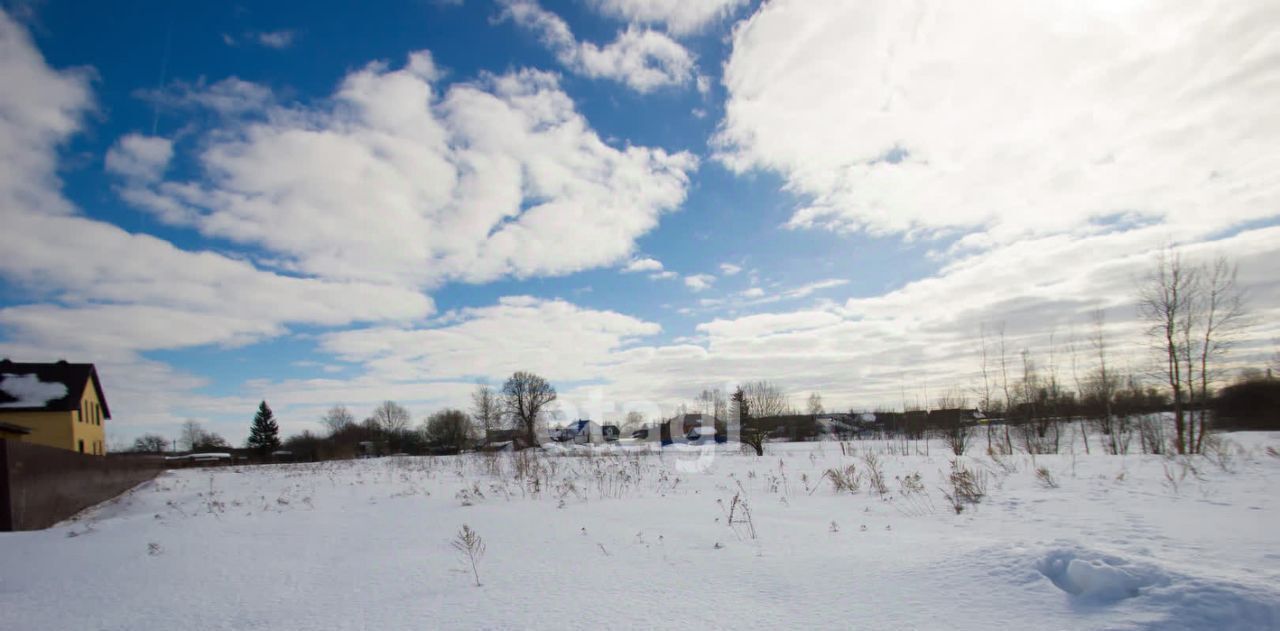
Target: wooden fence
{"type": "Point", "coordinates": [41, 486]}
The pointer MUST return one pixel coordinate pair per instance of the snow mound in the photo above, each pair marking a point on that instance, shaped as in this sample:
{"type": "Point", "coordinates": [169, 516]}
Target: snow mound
{"type": "Point", "coordinates": [1099, 581]}
{"type": "Point", "coordinates": [1169, 601]}
{"type": "Point", "coordinates": [1103, 579]}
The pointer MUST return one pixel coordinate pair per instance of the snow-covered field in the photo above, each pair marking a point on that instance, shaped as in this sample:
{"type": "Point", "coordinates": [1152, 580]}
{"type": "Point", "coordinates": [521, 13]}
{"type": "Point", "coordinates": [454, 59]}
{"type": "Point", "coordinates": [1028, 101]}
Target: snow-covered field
{"type": "Point", "coordinates": [629, 539]}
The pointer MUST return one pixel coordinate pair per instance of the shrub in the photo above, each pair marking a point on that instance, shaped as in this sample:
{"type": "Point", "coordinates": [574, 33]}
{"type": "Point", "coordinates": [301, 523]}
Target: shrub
{"type": "Point", "coordinates": [1045, 478]}
{"type": "Point", "coordinates": [471, 547]}
{"type": "Point", "coordinates": [848, 479]}
{"type": "Point", "coordinates": [965, 486]}
{"type": "Point", "coordinates": [875, 475]}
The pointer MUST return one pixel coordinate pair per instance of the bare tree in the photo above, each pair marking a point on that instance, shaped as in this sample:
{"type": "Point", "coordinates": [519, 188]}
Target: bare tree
{"type": "Point", "coordinates": [985, 401]}
{"type": "Point", "coordinates": [1166, 302]}
{"type": "Point", "coordinates": [749, 433]}
{"type": "Point", "coordinates": [391, 417]}
{"type": "Point", "coordinates": [211, 440]}
{"type": "Point", "coordinates": [956, 428]}
{"type": "Point", "coordinates": [524, 395]}
{"type": "Point", "coordinates": [1027, 389]}
{"type": "Point", "coordinates": [448, 429]}
{"type": "Point", "coordinates": [711, 401]}
{"type": "Point", "coordinates": [193, 437]}
{"type": "Point", "coordinates": [766, 399]}
{"type": "Point", "coordinates": [150, 443]}
{"type": "Point", "coordinates": [486, 408]}
{"type": "Point", "coordinates": [1222, 315]}
{"type": "Point", "coordinates": [815, 404]}
{"type": "Point", "coordinates": [1073, 348]}
{"type": "Point", "coordinates": [338, 418]}
{"type": "Point", "coordinates": [190, 434]}
{"type": "Point", "coordinates": [1004, 385]}
{"type": "Point", "coordinates": [1103, 384]}
{"type": "Point", "coordinates": [633, 421]}
{"type": "Point", "coordinates": [951, 399]}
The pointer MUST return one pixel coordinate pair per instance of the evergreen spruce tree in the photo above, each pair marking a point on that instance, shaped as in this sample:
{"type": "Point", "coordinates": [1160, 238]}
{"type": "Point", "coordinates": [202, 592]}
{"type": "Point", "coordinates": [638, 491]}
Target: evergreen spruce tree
{"type": "Point", "coordinates": [264, 435]}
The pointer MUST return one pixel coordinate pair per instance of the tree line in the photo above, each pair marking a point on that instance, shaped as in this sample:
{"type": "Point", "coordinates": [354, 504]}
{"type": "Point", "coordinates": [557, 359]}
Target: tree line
{"type": "Point", "coordinates": [1192, 315]}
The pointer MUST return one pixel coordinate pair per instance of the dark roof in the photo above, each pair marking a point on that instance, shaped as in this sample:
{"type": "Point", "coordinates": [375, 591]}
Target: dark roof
{"type": "Point", "coordinates": [73, 376]}
{"type": "Point", "coordinates": [14, 429]}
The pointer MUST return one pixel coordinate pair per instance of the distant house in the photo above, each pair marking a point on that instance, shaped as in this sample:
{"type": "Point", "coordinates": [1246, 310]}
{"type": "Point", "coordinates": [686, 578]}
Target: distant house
{"type": "Point", "coordinates": [949, 417]}
{"type": "Point", "coordinates": [788, 427]}
{"type": "Point", "coordinates": [55, 404]}
{"type": "Point", "coordinates": [678, 429]}
{"type": "Point", "coordinates": [504, 439]}
{"type": "Point", "coordinates": [583, 432]}
{"type": "Point", "coordinates": [841, 426]}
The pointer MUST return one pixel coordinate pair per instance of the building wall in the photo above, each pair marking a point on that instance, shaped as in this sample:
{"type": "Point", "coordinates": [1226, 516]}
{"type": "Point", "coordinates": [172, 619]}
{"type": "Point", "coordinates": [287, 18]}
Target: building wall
{"type": "Point", "coordinates": [65, 430]}
{"type": "Point", "coordinates": [88, 424]}
{"type": "Point", "coordinates": [15, 436]}
{"type": "Point", "coordinates": [52, 429]}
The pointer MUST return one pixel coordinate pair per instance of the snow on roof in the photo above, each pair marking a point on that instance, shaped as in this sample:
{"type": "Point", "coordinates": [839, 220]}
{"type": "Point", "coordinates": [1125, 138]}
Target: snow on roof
{"type": "Point", "coordinates": [73, 377]}
{"type": "Point", "coordinates": [28, 391]}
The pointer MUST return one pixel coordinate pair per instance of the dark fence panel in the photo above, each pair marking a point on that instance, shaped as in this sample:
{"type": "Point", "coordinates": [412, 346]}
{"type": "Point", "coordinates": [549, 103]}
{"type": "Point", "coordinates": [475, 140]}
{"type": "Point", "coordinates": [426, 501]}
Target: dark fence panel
{"type": "Point", "coordinates": [40, 486]}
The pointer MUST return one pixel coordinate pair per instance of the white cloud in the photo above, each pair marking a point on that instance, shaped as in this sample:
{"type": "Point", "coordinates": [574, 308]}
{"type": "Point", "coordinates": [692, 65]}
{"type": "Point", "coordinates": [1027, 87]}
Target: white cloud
{"type": "Point", "coordinates": [642, 59]}
{"type": "Point", "coordinates": [808, 288]}
{"type": "Point", "coordinates": [729, 269]}
{"type": "Point", "coordinates": [646, 264]}
{"type": "Point", "coordinates": [699, 282]}
{"type": "Point", "coordinates": [276, 39]}
{"type": "Point", "coordinates": [703, 83]}
{"type": "Point", "coordinates": [896, 117]}
{"type": "Point", "coordinates": [398, 182]}
{"type": "Point", "coordinates": [755, 326]}
{"type": "Point", "coordinates": [39, 108]}
{"type": "Point", "coordinates": [868, 352]}
{"type": "Point", "coordinates": [556, 339]}
{"type": "Point", "coordinates": [279, 40]}
{"type": "Point", "coordinates": [677, 16]}
{"type": "Point", "coordinates": [394, 181]}
{"type": "Point", "coordinates": [104, 294]}
{"type": "Point", "coordinates": [230, 96]}
{"type": "Point", "coordinates": [664, 275]}
{"type": "Point", "coordinates": [138, 157]}
{"type": "Point", "coordinates": [756, 296]}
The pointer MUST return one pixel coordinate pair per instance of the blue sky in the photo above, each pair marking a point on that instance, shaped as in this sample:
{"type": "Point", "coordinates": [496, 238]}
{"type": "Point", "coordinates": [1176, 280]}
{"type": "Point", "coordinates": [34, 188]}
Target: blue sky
{"type": "Point", "coordinates": [322, 203]}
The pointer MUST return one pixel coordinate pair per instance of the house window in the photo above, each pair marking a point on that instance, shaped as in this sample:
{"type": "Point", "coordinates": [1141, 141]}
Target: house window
{"type": "Point", "coordinates": [82, 446]}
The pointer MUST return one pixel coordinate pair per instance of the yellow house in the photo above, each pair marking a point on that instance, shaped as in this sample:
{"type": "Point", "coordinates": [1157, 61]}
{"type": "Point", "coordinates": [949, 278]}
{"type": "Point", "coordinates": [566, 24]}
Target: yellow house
{"type": "Point", "coordinates": [58, 405]}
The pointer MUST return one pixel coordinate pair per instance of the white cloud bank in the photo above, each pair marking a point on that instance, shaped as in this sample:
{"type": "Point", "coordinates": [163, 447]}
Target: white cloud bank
{"type": "Point", "coordinates": [646, 264]}
{"type": "Point", "coordinates": [642, 59]}
{"type": "Point", "coordinates": [699, 282]}
{"type": "Point", "coordinates": [1016, 118]}
{"type": "Point", "coordinates": [105, 294]}
{"type": "Point", "coordinates": [392, 165]}
{"type": "Point", "coordinates": [395, 180]}
{"type": "Point", "coordinates": [138, 157]}
{"type": "Point", "coordinates": [679, 17]}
